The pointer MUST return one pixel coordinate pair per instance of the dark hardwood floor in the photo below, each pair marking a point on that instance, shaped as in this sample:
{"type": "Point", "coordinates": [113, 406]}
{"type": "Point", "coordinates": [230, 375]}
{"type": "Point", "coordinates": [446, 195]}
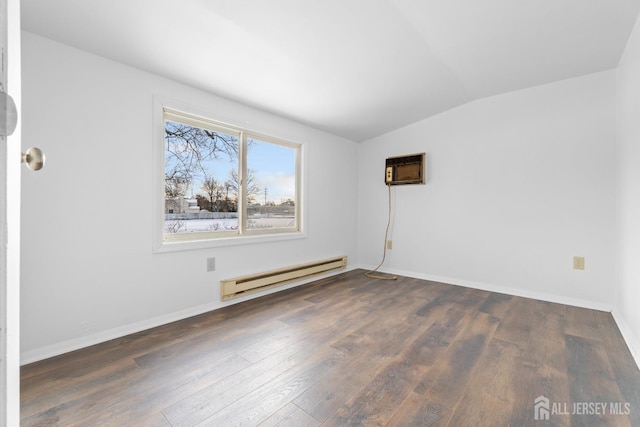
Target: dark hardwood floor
{"type": "Point", "coordinates": [350, 350]}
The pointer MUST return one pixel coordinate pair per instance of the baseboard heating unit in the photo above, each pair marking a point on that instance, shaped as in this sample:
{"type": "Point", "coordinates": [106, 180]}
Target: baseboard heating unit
{"type": "Point", "coordinates": [239, 286]}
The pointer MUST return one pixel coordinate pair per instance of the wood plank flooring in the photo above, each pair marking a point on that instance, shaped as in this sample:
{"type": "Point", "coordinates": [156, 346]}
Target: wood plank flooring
{"type": "Point", "coordinates": [348, 351]}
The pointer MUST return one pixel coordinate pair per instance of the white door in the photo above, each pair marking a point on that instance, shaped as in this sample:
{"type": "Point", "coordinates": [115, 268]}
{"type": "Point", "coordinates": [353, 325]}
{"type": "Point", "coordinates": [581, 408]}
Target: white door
{"type": "Point", "coordinates": [10, 222]}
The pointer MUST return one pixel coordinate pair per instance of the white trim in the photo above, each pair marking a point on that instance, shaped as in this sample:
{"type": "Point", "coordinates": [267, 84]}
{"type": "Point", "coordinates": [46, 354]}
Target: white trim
{"type": "Point", "coordinates": [157, 181]}
{"type": "Point", "coordinates": [82, 342]}
{"type": "Point", "coordinates": [542, 296]}
{"type": "Point", "coordinates": [57, 349]}
{"type": "Point", "coordinates": [99, 337]}
{"type": "Point", "coordinates": [188, 245]}
{"type": "Point", "coordinates": [627, 333]}
{"type": "Point", "coordinates": [10, 181]}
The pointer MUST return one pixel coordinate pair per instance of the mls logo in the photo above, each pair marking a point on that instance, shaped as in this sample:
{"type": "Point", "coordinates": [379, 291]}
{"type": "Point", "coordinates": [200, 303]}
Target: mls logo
{"type": "Point", "coordinates": [541, 409]}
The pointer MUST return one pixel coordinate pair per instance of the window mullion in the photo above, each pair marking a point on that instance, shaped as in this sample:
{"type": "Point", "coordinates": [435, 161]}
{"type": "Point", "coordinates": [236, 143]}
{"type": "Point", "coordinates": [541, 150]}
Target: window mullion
{"type": "Point", "coordinates": [242, 190]}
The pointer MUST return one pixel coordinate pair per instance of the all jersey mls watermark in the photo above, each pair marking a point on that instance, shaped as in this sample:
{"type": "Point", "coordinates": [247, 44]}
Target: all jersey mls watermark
{"type": "Point", "coordinates": [543, 408]}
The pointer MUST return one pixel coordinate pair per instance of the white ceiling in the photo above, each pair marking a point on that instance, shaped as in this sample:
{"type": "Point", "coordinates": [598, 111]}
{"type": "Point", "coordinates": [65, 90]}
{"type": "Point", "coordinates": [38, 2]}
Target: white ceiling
{"type": "Point", "coordinates": [354, 68]}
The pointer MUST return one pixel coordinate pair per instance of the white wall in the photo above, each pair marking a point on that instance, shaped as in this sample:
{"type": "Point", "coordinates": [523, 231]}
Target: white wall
{"type": "Point", "coordinates": [88, 271]}
{"type": "Point", "coordinates": [628, 236]}
{"type": "Point", "coordinates": [517, 185]}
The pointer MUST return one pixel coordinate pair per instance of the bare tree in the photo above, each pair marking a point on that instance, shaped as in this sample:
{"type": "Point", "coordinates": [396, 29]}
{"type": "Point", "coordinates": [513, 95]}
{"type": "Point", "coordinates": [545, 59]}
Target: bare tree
{"type": "Point", "coordinates": [252, 188]}
{"type": "Point", "coordinates": [175, 188]}
{"type": "Point", "coordinates": [188, 148]}
{"type": "Point", "coordinates": [213, 190]}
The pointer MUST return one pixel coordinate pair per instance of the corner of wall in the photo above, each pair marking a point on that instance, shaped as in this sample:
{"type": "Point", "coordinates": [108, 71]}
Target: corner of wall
{"type": "Point", "coordinates": [633, 343]}
{"type": "Point", "coordinates": [627, 273]}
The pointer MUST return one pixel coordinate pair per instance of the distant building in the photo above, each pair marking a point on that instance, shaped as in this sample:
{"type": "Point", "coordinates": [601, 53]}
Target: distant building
{"type": "Point", "coordinates": [180, 205]}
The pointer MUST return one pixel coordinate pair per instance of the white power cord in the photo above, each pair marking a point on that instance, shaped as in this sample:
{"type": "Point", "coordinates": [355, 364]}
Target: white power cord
{"type": "Point", "coordinates": [384, 253]}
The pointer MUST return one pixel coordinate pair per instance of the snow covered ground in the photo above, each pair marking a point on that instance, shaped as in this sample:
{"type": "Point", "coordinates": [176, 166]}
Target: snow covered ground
{"type": "Point", "coordinates": [223, 224]}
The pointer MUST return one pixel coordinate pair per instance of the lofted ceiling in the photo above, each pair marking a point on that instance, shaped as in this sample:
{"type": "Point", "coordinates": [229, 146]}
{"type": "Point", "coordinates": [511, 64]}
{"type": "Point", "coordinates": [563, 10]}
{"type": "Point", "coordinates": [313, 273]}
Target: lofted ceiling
{"type": "Point", "coordinates": [354, 68]}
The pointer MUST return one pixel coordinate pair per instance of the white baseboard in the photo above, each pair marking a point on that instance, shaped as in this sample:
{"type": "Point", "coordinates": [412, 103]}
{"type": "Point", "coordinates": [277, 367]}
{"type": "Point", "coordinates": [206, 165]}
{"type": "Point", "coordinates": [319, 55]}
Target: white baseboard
{"type": "Point", "coordinates": [627, 333]}
{"type": "Point", "coordinates": [89, 340]}
{"type": "Point", "coordinates": [57, 349]}
{"type": "Point", "coordinates": [560, 299]}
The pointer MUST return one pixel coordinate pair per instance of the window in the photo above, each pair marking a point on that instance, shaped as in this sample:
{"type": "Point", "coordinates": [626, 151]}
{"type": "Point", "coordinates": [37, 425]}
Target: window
{"type": "Point", "coordinates": [223, 182]}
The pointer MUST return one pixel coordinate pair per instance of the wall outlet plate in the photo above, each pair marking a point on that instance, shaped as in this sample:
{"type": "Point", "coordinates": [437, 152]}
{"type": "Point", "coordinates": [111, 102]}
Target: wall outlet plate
{"type": "Point", "coordinates": [578, 262]}
{"type": "Point", "coordinates": [211, 264]}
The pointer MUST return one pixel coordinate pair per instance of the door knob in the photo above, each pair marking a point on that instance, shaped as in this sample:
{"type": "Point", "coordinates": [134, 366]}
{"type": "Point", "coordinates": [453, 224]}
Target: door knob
{"type": "Point", "coordinates": [33, 158]}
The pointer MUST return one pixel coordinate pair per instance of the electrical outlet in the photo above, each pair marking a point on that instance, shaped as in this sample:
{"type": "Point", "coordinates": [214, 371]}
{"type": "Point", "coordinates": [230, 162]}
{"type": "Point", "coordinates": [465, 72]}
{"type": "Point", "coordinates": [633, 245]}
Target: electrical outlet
{"type": "Point", "coordinates": [389, 244]}
{"type": "Point", "coordinates": [211, 264]}
{"type": "Point", "coordinates": [578, 263]}
{"type": "Point", "coordinates": [389, 174]}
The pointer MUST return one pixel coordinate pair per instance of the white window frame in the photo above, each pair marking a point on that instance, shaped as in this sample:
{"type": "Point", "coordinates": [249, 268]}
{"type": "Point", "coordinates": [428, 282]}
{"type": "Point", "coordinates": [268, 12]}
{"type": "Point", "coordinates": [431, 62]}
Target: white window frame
{"type": "Point", "coordinates": [188, 241]}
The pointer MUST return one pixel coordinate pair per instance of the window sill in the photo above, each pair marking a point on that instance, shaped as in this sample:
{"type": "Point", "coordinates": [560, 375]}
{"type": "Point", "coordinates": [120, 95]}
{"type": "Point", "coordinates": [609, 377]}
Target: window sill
{"type": "Point", "coordinates": [189, 245]}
